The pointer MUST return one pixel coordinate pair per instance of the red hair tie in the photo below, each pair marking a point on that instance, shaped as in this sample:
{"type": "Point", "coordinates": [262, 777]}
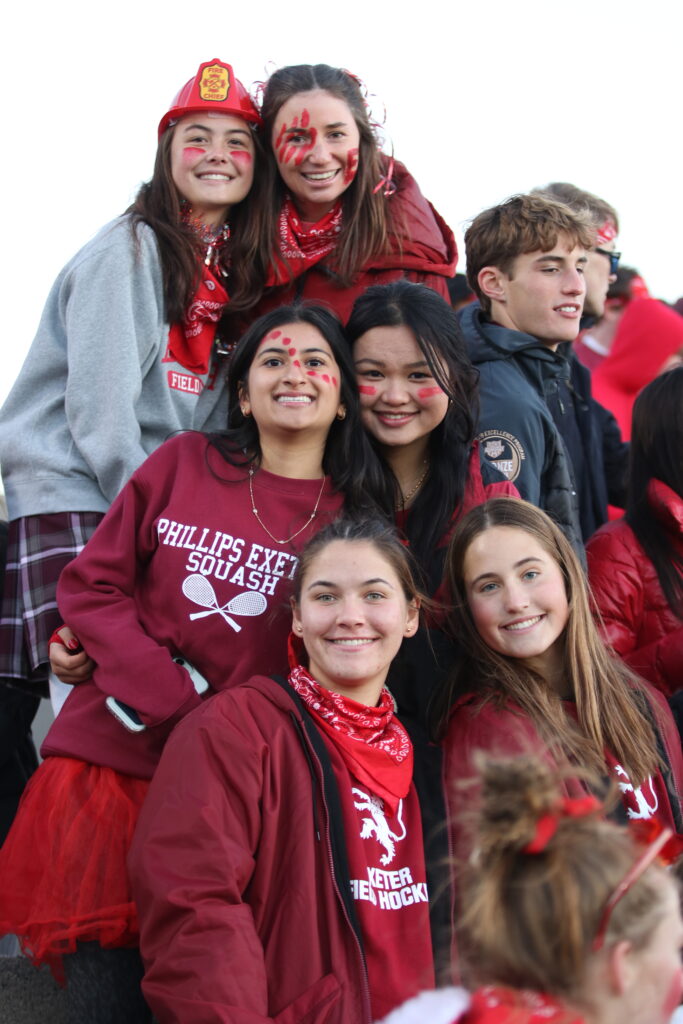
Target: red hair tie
{"type": "Point", "coordinates": [546, 826]}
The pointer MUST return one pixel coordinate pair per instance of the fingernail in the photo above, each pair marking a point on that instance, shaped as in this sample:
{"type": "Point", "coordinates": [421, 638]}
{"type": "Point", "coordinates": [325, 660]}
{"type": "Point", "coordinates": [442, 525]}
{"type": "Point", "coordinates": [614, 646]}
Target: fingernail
{"type": "Point", "coordinates": [73, 643]}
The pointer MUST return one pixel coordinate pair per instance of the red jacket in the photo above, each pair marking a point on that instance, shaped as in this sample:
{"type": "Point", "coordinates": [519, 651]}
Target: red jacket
{"type": "Point", "coordinates": [424, 251]}
{"type": "Point", "coordinates": [506, 731]}
{"type": "Point", "coordinates": [637, 620]}
{"type": "Point", "coordinates": [245, 906]}
{"type": "Point", "coordinates": [648, 333]}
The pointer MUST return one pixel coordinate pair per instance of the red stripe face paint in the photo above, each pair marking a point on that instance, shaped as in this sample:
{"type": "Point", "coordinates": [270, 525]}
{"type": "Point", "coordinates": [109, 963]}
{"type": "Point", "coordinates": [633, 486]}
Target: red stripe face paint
{"type": "Point", "coordinates": [367, 389]}
{"type": "Point", "coordinates": [429, 392]}
{"type": "Point", "coordinates": [192, 153]}
{"type": "Point", "coordinates": [351, 166]}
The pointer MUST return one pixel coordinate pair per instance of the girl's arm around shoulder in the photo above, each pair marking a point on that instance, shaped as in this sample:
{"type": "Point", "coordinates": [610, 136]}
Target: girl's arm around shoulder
{"type": "Point", "coordinates": [97, 594]}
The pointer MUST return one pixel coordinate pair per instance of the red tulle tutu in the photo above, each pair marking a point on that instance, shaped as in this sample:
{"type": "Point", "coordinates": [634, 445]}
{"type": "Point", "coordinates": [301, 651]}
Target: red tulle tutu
{"type": "Point", "coordinates": [63, 876]}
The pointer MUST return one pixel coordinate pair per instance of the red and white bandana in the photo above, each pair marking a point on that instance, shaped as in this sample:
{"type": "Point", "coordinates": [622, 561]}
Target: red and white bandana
{"type": "Point", "coordinates": [303, 245]}
{"type": "Point", "coordinates": [373, 743]}
{"type": "Point", "coordinates": [190, 342]}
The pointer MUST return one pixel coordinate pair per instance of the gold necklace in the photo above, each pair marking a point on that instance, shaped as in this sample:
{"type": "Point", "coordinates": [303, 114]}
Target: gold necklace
{"type": "Point", "coordinates": [284, 540]}
{"type": "Point", "coordinates": [413, 491]}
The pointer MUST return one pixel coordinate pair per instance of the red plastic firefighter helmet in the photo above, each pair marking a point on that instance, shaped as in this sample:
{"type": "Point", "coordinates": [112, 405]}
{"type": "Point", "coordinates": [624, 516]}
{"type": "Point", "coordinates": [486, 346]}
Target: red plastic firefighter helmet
{"type": "Point", "coordinates": [214, 87]}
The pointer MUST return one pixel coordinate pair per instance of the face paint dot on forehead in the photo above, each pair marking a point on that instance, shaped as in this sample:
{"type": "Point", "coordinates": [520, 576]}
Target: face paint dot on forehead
{"type": "Point", "coordinates": [274, 334]}
{"type": "Point", "coordinates": [292, 351]}
{"type": "Point", "coordinates": [430, 392]}
{"type": "Point", "coordinates": [367, 389]}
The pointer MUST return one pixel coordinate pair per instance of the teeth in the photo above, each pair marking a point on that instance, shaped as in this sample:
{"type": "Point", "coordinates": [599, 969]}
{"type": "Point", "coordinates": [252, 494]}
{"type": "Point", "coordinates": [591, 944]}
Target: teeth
{"type": "Point", "coordinates": [567, 309]}
{"type": "Point", "coordinates": [295, 399]}
{"type": "Point", "coordinates": [394, 415]}
{"type": "Point", "coordinates": [354, 642]}
{"type": "Point", "coordinates": [323, 176]}
{"type": "Point", "coordinates": [525, 624]}
{"type": "Point", "coordinates": [216, 177]}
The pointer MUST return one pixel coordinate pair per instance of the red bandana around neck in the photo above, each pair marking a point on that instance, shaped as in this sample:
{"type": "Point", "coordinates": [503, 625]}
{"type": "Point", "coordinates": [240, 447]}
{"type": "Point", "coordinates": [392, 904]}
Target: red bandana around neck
{"type": "Point", "coordinates": [303, 245]}
{"type": "Point", "coordinates": [374, 745]}
{"type": "Point", "coordinates": [189, 342]}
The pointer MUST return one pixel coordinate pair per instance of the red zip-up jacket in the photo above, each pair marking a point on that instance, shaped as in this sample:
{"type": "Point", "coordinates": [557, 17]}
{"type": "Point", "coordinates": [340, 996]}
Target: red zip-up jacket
{"type": "Point", "coordinates": [239, 871]}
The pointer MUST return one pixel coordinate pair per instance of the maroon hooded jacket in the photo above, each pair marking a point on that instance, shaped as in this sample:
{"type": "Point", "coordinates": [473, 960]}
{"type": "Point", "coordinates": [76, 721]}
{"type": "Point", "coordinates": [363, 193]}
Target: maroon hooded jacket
{"type": "Point", "coordinates": [239, 871]}
{"type": "Point", "coordinates": [424, 251]}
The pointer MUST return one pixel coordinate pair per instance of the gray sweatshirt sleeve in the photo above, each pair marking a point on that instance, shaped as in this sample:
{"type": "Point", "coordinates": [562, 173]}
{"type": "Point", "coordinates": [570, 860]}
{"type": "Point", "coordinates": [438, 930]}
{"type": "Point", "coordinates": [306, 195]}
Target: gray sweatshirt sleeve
{"type": "Point", "coordinates": [111, 306]}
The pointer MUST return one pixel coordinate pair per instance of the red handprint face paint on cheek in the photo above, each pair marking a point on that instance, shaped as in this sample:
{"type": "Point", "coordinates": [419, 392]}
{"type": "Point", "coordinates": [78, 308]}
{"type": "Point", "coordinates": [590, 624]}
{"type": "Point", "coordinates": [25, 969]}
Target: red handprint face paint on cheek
{"type": "Point", "coordinates": [351, 166]}
{"type": "Point", "coordinates": [316, 143]}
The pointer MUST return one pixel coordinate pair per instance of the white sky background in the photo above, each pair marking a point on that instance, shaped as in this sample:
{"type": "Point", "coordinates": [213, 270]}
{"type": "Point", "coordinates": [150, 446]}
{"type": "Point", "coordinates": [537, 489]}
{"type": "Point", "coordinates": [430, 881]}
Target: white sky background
{"type": "Point", "coordinates": [483, 99]}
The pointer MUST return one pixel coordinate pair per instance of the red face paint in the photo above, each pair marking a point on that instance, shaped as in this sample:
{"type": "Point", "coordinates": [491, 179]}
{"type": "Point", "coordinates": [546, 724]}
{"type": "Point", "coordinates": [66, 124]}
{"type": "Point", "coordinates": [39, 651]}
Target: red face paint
{"type": "Point", "coordinates": [292, 351]}
{"type": "Point", "coordinates": [285, 150]}
{"type": "Point", "coordinates": [286, 341]}
{"type": "Point", "coordinates": [297, 363]}
{"type": "Point", "coordinates": [326, 378]}
{"type": "Point", "coordinates": [191, 153]}
{"type": "Point", "coordinates": [351, 166]}
{"type": "Point", "coordinates": [334, 381]}
{"type": "Point", "coordinates": [311, 373]}
{"type": "Point", "coordinates": [240, 157]}
{"type": "Point", "coordinates": [429, 392]}
{"type": "Point", "coordinates": [274, 334]}
{"type": "Point", "coordinates": [673, 996]}
{"type": "Point", "coordinates": [367, 389]}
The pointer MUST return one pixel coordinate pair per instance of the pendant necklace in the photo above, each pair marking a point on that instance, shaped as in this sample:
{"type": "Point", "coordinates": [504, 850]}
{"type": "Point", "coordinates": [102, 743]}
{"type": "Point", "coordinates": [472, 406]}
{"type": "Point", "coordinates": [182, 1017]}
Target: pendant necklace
{"type": "Point", "coordinates": [284, 540]}
{"type": "Point", "coordinates": [405, 498]}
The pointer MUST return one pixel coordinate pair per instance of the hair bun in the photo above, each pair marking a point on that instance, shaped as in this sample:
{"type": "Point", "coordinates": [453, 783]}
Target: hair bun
{"type": "Point", "coordinates": [515, 793]}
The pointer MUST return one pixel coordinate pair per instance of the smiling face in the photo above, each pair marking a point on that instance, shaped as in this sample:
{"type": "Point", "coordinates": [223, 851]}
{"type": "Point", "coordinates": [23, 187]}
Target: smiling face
{"type": "Point", "coordinates": [543, 293]}
{"type": "Point", "coordinates": [401, 401]}
{"type": "Point", "coordinates": [316, 142]}
{"type": "Point", "coordinates": [212, 163]}
{"type": "Point", "coordinates": [293, 383]}
{"type": "Point", "coordinates": [517, 597]}
{"type": "Point", "coordinates": [352, 614]}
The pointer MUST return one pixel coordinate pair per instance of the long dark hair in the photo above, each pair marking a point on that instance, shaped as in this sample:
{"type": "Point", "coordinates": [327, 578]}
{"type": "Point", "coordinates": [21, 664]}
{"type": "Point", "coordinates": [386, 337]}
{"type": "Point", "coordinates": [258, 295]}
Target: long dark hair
{"type": "Point", "coordinates": [365, 220]}
{"type": "Point", "coordinates": [158, 203]}
{"type": "Point", "coordinates": [657, 454]}
{"type": "Point", "coordinates": [610, 701]}
{"type": "Point", "coordinates": [439, 337]}
{"type": "Point", "coordinates": [349, 458]}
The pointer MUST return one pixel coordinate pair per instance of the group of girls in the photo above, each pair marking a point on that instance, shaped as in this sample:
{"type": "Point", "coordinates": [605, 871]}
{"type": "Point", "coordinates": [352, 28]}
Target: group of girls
{"type": "Point", "coordinates": [278, 869]}
{"type": "Point", "coordinates": [245, 211]}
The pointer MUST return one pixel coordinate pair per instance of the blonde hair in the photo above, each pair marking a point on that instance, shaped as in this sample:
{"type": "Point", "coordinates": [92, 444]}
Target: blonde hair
{"type": "Point", "coordinates": [611, 703]}
{"type": "Point", "coordinates": [530, 919]}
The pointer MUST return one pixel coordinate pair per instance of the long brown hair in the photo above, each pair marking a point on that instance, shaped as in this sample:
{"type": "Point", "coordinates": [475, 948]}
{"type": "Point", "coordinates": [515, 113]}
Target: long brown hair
{"type": "Point", "coordinates": [158, 203]}
{"type": "Point", "coordinates": [530, 920]}
{"type": "Point", "coordinates": [366, 216]}
{"type": "Point", "coordinates": [611, 704]}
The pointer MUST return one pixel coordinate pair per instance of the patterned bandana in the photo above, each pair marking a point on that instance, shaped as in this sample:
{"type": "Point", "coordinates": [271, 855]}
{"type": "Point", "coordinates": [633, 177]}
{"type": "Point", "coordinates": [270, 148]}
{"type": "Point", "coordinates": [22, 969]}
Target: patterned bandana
{"type": "Point", "coordinates": [372, 742]}
{"type": "Point", "coordinates": [304, 245]}
{"type": "Point", "coordinates": [190, 342]}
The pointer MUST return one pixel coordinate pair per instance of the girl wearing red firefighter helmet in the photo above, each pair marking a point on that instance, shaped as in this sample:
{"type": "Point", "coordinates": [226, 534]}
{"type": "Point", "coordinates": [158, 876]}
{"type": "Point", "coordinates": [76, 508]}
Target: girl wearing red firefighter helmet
{"type": "Point", "coordinates": [340, 215]}
{"type": "Point", "coordinates": [127, 352]}
{"type": "Point", "coordinates": [301, 895]}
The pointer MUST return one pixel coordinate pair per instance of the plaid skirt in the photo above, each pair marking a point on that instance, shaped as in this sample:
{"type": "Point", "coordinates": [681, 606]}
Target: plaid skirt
{"type": "Point", "coordinates": [38, 548]}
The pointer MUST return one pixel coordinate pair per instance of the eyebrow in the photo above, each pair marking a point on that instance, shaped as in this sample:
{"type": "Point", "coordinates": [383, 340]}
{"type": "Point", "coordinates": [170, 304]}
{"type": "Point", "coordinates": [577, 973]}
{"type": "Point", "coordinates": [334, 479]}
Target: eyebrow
{"type": "Point", "coordinates": [208, 128]}
{"type": "Point", "coordinates": [282, 350]}
{"type": "Point", "coordinates": [517, 565]}
{"type": "Point", "coordinates": [297, 129]}
{"type": "Point", "coordinates": [381, 362]}
{"type": "Point", "coordinates": [559, 259]}
{"type": "Point", "coordinates": [365, 583]}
